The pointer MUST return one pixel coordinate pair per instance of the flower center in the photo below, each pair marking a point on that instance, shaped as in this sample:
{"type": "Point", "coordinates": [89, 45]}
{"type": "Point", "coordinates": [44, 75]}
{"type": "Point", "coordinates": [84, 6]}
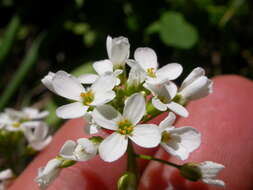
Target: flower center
{"type": "Point", "coordinates": [166, 137]}
{"type": "Point", "coordinates": [88, 97]}
{"type": "Point", "coordinates": [164, 99]}
{"type": "Point", "coordinates": [151, 72]}
{"type": "Point", "coordinates": [16, 124]}
{"type": "Point", "coordinates": [125, 127]}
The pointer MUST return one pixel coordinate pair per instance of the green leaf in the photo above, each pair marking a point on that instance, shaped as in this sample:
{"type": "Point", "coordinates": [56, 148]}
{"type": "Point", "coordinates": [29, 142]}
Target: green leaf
{"type": "Point", "coordinates": [153, 28]}
{"type": "Point", "coordinates": [83, 69]}
{"type": "Point", "coordinates": [176, 31]}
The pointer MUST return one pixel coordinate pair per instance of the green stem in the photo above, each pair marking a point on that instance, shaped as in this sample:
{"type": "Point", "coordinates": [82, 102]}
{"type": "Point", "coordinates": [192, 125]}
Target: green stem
{"type": "Point", "coordinates": [147, 157]}
{"type": "Point", "coordinates": [131, 164]}
{"type": "Point", "coordinates": [152, 112]}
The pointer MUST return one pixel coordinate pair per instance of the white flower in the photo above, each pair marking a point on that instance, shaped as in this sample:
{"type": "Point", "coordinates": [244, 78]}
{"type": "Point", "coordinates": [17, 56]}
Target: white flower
{"type": "Point", "coordinates": [26, 114]}
{"type": "Point", "coordinates": [47, 174]}
{"type": "Point", "coordinates": [136, 77]}
{"type": "Point", "coordinates": [91, 126]}
{"type": "Point", "coordinates": [70, 87]}
{"type": "Point", "coordinates": [146, 61]}
{"type": "Point", "coordinates": [179, 142]}
{"type": "Point", "coordinates": [196, 85]}
{"type": "Point", "coordinates": [163, 98]}
{"type": "Point", "coordinates": [83, 150]}
{"type": "Point", "coordinates": [47, 80]}
{"type": "Point", "coordinates": [125, 126]}
{"type": "Point", "coordinates": [117, 50]}
{"type": "Point", "coordinates": [209, 171]}
{"type": "Point", "coordinates": [36, 133]}
{"type": "Point", "coordinates": [103, 67]}
{"type": "Point", "coordinates": [5, 178]}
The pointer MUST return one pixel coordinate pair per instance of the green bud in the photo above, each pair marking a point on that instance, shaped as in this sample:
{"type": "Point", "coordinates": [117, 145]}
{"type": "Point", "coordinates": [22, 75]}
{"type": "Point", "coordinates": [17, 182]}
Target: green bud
{"type": "Point", "coordinates": [191, 171]}
{"type": "Point", "coordinates": [67, 163]}
{"type": "Point", "coordinates": [96, 139]}
{"type": "Point", "coordinates": [127, 181]}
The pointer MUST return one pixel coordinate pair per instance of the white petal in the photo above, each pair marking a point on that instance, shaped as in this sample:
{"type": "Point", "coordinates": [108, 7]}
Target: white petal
{"type": "Point", "coordinates": [106, 116]}
{"type": "Point", "coordinates": [47, 81]}
{"type": "Point", "coordinates": [168, 121]}
{"type": "Point", "coordinates": [39, 145]}
{"type": "Point", "coordinates": [196, 73]}
{"type": "Point", "coordinates": [88, 78]}
{"type": "Point", "coordinates": [146, 58]}
{"type": "Point", "coordinates": [146, 135]}
{"type": "Point", "coordinates": [104, 83]}
{"type": "Point", "coordinates": [103, 98]}
{"type": "Point", "coordinates": [67, 86]}
{"type": "Point", "coordinates": [183, 141]}
{"type": "Point", "coordinates": [72, 110]}
{"type": "Point", "coordinates": [178, 109]}
{"type": "Point", "coordinates": [91, 126]}
{"type": "Point", "coordinates": [49, 173]}
{"type": "Point", "coordinates": [102, 67]}
{"type": "Point", "coordinates": [85, 150]}
{"type": "Point", "coordinates": [135, 108]}
{"type": "Point", "coordinates": [169, 72]}
{"type": "Point", "coordinates": [136, 77]}
{"type": "Point", "coordinates": [6, 174]}
{"type": "Point", "coordinates": [199, 88]}
{"type": "Point", "coordinates": [158, 104]}
{"type": "Point", "coordinates": [210, 169]}
{"type": "Point", "coordinates": [113, 147]}
{"type": "Point", "coordinates": [67, 150]}
{"type": "Point", "coordinates": [119, 50]}
{"type": "Point", "coordinates": [171, 89]}
{"type": "Point", "coordinates": [109, 46]}
{"type": "Point", "coordinates": [216, 182]}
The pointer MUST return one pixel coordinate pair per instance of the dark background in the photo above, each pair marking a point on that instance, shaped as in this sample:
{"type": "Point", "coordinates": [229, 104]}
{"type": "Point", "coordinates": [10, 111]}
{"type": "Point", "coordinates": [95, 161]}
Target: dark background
{"type": "Point", "coordinates": [41, 36]}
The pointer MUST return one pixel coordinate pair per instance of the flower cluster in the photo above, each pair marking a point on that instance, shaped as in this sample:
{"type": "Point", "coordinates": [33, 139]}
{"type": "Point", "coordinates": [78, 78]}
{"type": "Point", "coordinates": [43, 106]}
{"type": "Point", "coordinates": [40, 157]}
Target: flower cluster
{"type": "Point", "coordinates": [24, 130]}
{"type": "Point", "coordinates": [29, 122]}
{"type": "Point", "coordinates": [122, 100]}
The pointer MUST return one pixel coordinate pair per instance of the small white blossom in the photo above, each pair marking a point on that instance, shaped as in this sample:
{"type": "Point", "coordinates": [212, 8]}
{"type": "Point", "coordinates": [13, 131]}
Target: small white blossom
{"type": "Point", "coordinates": [5, 178]}
{"type": "Point", "coordinates": [47, 174]}
{"type": "Point", "coordinates": [103, 67]}
{"type": "Point", "coordinates": [146, 62]}
{"type": "Point", "coordinates": [136, 77]}
{"type": "Point", "coordinates": [125, 126]}
{"type": "Point", "coordinates": [163, 98]}
{"type": "Point", "coordinates": [83, 150]}
{"type": "Point", "coordinates": [117, 50]}
{"type": "Point", "coordinates": [36, 133]}
{"type": "Point", "coordinates": [209, 171]}
{"type": "Point", "coordinates": [196, 85]}
{"type": "Point", "coordinates": [179, 142]}
{"type": "Point", "coordinates": [70, 87]}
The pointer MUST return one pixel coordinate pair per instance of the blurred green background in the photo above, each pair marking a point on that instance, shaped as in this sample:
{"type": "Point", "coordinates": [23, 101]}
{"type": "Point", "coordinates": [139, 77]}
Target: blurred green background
{"type": "Point", "coordinates": [41, 36]}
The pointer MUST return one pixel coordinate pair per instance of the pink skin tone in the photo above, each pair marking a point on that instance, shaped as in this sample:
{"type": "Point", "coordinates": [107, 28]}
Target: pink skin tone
{"type": "Point", "coordinates": [225, 119]}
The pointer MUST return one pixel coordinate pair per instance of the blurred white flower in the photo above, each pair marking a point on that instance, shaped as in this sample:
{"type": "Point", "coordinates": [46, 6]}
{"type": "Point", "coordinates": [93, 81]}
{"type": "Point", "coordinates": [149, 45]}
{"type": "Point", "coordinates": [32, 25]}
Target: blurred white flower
{"type": "Point", "coordinates": [70, 87]}
{"type": "Point", "coordinates": [196, 85]}
{"type": "Point", "coordinates": [5, 178]}
{"type": "Point", "coordinates": [47, 174]}
{"type": "Point", "coordinates": [83, 150]}
{"type": "Point", "coordinates": [125, 126]}
{"type": "Point", "coordinates": [36, 133]}
{"type": "Point", "coordinates": [179, 142]}
{"type": "Point", "coordinates": [163, 98]}
{"type": "Point", "coordinates": [146, 62]}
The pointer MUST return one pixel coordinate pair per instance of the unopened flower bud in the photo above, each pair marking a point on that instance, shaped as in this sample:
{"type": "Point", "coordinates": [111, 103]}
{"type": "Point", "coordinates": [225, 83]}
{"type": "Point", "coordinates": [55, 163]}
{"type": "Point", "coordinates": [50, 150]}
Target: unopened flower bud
{"type": "Point", "coordinates": [191, 171]}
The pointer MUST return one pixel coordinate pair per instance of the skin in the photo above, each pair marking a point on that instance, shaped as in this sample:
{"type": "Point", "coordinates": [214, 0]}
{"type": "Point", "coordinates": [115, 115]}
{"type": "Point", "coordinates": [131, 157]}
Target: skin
{"type": "Point", "coordinates": [225, 120]}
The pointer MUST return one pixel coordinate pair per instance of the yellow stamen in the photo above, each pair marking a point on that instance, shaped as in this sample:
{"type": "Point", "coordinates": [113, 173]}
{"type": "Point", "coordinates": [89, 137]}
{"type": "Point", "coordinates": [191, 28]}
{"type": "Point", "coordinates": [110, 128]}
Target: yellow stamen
{"type": "Point", "coordinates": [166, 137]}
{"type": "Point", "coordinates": [88, 97]}
{"type": "Point", "coordinates": [16, 124]}
{"type": "Point", "coordinates": [125, 127]}
{"type": "Point", "coordinates": [151, 72]}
